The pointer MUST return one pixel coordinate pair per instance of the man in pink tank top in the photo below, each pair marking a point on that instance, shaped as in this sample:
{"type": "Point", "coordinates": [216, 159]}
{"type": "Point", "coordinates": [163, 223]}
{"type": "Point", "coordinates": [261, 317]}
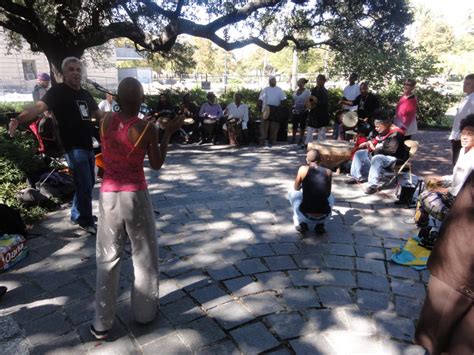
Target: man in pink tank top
{"type": "Point", "coordinates": [126, 209]}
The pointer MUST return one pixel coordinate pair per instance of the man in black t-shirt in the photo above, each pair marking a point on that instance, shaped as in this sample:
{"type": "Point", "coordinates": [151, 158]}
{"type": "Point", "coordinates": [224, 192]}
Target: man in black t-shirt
{"type": "Point", "coordinates": [73, 108]}
{"type": "Point", "coordinates": [318, 117]}
{"type": "Point", "coordinates": [366, 103]}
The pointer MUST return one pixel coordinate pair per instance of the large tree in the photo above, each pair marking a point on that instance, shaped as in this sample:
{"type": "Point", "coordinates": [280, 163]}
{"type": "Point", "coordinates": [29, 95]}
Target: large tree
{"type": "Point", "coordinates": [67, 28]}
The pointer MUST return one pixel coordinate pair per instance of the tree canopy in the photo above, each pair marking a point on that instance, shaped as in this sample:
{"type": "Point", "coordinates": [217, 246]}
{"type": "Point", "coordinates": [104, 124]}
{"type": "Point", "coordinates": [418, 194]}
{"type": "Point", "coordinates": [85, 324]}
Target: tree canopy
{"type": "Point", "coordinates": [60, 29]}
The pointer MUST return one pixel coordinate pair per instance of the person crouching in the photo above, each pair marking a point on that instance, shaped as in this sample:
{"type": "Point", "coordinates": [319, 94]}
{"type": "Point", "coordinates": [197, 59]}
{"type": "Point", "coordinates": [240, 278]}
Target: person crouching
{"type": "Point", "coordinates": [313, 205]}
{"type": "Point", "coordinates": [126, 210]}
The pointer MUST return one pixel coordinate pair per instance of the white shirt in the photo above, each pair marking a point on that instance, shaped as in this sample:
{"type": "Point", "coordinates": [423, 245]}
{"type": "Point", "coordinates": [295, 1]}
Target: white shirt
{"type": "Point", "coordinates": [466, 107]}
{"type": "Point", "coordinates": [106, 106]}
{"type": "Point", "coordinates": [241, 112]}
{"type": "Point", "coordinates": [350, 93]}
{"type": "Point", "coordinates": [271, 96]}
{"type": "Point", "coordinates": [461, 171]}
{"type": "Point", "coordinates": [300, 100]}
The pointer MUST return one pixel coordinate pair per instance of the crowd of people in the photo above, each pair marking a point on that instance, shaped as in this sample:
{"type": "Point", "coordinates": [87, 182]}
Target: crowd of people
{"type": "Point", "coordinates": [125, 205]}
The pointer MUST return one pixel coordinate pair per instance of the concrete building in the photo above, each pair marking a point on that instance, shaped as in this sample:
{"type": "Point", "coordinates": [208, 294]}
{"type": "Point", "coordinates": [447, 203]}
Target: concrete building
{"type": "Point", "coordinates": [19, 69]}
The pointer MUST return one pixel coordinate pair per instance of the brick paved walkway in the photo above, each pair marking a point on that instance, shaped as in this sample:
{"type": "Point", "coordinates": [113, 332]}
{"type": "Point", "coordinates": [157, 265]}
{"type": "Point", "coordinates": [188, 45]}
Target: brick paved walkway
{"type": "Point", "coordinates": [235, 276]}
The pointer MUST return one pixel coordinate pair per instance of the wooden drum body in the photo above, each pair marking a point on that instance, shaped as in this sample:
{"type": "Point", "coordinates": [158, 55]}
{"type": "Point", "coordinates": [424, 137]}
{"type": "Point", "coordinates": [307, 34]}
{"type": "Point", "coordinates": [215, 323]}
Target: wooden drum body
{"type": "Point", "coordinates": [333, 153]}
{"type": "Point", "coordinates": [234, 128]}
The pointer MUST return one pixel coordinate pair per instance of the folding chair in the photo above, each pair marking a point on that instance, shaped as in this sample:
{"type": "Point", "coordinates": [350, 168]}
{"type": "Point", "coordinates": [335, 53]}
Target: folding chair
{"type": "Point", "coordinates": [398, 169]}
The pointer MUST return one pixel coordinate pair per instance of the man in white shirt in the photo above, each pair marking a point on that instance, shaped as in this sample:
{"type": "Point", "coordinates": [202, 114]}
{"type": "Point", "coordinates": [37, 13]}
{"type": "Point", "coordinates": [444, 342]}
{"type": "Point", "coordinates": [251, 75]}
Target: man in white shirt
{"type": "Point", "coordinates": [109, 104]}
{"type": "Point", "coordinates": [466, 107]}
{"type": "Point", "coordinates": [272, 96]}
{"type": "Point", "coordinates": [239, 111]}
{"type": "Point", "coordinates": [351, 91]}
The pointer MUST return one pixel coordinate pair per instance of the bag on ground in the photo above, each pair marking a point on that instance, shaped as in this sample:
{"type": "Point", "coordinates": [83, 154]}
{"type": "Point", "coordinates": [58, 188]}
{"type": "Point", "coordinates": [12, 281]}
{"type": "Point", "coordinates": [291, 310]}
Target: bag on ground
{"type": "Point", "coordinates": [12, 250]}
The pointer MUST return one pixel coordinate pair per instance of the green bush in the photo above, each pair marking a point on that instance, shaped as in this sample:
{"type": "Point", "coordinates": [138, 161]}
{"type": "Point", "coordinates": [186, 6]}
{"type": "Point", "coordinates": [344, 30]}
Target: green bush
{"type": "Point", "coordinates": [18, 159]}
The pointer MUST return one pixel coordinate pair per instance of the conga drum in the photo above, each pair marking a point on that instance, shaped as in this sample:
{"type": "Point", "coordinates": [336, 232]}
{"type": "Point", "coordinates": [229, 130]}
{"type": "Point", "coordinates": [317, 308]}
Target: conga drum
{"type": "Point", "coordinates": [333, 153]}
{"type": "Point", "coordinates": [233, 129]}
{"type": "Point", "coordinates": [209, 127]}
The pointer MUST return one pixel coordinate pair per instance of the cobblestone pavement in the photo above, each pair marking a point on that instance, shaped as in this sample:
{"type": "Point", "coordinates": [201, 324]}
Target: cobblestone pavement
{"type": "Point", "coordinates": [235, 276]}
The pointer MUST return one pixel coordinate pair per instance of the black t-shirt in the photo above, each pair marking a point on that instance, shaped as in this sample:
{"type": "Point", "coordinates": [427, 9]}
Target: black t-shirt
{"type": "Point", "coordinates": [321, 111]}
{"type": "Point", "coordinates": [73, 111]}
{"type": "Point", "coordinates": [366, 105]}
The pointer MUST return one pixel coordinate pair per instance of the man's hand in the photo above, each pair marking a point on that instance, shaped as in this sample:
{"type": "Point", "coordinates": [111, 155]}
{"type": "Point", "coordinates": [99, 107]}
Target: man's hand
{"type": "Point", "coordinates": [12, 126]}
{"type": "Point", "coordinates": [175, 124]}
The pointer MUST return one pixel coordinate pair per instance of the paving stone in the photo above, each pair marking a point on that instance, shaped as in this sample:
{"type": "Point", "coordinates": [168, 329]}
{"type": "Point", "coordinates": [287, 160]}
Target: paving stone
{"type": "Point", "coordinates": [300, 298]}
{"type": "Point", "coordinates": [314, 344]}
{"type": "Point", "coordinates": [370, 265]}
{"type": "Point", "coordinates": [170, 344]}
{"type": "Point", "coordinates": [224, 347]}
{"type": "Point", "coordinates": [181, 311]}
{"type": "Point", "coordinates": [369, 252]}
{"type": "Point", "coordinates": [403, 271]}
{"type": "Point", "coordinates": [211, 296]}
{"type": "Point", "coordinates": [408, 287]}
{"type": "Point", "coordinates": [341, 249]}
{"type": "Point", "coordinates": [393, 347]}
{"type": "Point", "coordinates": [349, 342]}
{"type": "Point", "coordinates": [339, 262]}
{"type": "Point", "coordinates": [257, 250]}
{"type": "Point", "coordinates": [284, 248]}
{"type": "Point", "coordinates": [368, 240]}
{"type": "Point", "coordinates": [262, 303]}
{"type": "Point", "coordinates": [251, 266]}
{"type": "Point", "coordinates": [242, 286]}
{"type": "Point", "coordinates": [254, 338]}
{"type": "Point", "coordinates": [170, 292]}
{"type": "Point", "coordinates": [67, 343]}
{"type": "Point", "coordinates": [274, 280]}
{"type": "Point", "coordinates": [373, 282]}
{"type": "Point", "coordinates": [311, 261]}
{"type": "Point", "coordinates": [175, 267]}
{"type": "Point", "coordinates": [329, 277]}
{"type": "Point", "coordinates": [288, 325]}
{"type": "Point", "coordinates": [408, 307]}
{"type": "Point", "coordinates": [374, 301]}
{"type": "Point", "coordinates": [280, 263]}
{"type": "Point", "coordinates": [223, 272]}
{"type": "Point", "coordinates": [230, 314]}
{"type": "Point", "coordinates": [192, 280]}
{"type": "Point", "coordinates": [45, 329]}
{"type": "Point", "coordinates": [334, 296]}
{"type": "Point", "coordinates": [392, 326]}
{"type": "Point", "coordinates": [201, 333]}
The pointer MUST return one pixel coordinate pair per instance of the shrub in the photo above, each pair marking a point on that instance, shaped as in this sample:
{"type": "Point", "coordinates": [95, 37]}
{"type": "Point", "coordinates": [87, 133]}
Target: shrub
{"type": "Point", "coordinates": [18, 160]}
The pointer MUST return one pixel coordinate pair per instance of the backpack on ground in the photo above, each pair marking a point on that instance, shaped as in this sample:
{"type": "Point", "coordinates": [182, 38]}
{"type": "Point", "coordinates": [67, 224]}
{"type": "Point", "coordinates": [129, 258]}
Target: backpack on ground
{"type": "Point", "coordinates": [11, 221]}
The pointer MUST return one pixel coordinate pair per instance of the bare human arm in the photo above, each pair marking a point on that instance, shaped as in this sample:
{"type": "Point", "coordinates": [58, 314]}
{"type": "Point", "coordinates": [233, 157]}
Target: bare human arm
{"type": "Point", "coordinates": [302, 171]}
{"type": "Point", "coordinates": [28, 114]}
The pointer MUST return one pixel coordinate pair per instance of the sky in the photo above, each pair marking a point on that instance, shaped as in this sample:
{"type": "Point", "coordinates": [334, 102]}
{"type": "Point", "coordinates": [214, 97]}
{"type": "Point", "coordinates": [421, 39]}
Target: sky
{"type": "Point", "coordinates": [454, 12]}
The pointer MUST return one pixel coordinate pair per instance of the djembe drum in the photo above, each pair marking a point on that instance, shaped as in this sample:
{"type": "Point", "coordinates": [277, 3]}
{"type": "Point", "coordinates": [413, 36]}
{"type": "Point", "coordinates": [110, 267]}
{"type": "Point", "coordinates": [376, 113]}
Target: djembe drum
{"type": "Point", "coordinates": [333, 153]}
{"type": "Point", "coordinates": [209, 126]}
{"type": "Point", "coordinates": [234, 130]}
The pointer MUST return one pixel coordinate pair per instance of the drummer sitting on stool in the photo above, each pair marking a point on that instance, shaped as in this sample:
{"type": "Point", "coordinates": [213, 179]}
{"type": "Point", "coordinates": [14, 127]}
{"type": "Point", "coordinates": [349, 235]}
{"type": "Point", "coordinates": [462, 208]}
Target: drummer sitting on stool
{"type": "Point", "coordinates": [210, 115]}
{"type": "Point", "coordinates": [313, 205]}
{"type": "Point", "coordinates": [239, 111]}
{"type": "Point", "coordinates": [385, 150]}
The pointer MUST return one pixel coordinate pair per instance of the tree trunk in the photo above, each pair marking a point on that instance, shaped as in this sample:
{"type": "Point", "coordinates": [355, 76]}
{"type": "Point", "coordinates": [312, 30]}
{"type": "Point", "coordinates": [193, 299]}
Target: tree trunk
{"type": "Point", "coordinates": [55, 58]}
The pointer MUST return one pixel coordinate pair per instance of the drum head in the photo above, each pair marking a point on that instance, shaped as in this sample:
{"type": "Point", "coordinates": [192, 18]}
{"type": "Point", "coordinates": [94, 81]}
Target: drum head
{"type": "Point", "coordinates": [232, 120]}
{"type": "Point", "coordinates": [311, 102]}
{"type": "Point", "coordinates": [208, 121]}
{"type": "Point", "coordinates": [350, 119]}
{"type": "Point", "coordinates": [188, 121]}
{"type": "Point", "coordinates": [266, 112]}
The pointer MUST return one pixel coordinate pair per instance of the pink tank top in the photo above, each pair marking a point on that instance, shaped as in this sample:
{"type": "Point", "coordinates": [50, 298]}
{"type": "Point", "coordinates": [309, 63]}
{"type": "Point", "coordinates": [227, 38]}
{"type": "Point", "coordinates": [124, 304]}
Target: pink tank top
{"type": "Point", "coordinates": [123, 163]}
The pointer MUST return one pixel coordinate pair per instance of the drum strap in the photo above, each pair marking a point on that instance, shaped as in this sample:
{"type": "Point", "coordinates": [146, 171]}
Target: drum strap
{"type": "Point", "coordinates": [139, 139]}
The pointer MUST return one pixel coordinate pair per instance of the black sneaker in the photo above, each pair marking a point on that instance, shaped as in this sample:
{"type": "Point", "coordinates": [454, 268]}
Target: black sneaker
{"type": "Point", "coordinates": [3, 290]}
{"type": "Point", "coordinates": [370, 190]}
{"type": "Point", "coordinates": [352, 181]}
{"type": "Point", "coordinates": [303, 227]}
{"type": "Point", "coordinates": [319, 228]}
{"type": "Point", "coordinates": [99, 335]}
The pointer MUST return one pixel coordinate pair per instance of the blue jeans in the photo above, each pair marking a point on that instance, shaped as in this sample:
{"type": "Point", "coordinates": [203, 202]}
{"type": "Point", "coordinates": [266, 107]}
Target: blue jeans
{"type": "Point", "coordinates": [296, 197]}
{"type": "Point", "coordinates": [82, 163]}
{"type": "Point", "coordinates": [364, 165]}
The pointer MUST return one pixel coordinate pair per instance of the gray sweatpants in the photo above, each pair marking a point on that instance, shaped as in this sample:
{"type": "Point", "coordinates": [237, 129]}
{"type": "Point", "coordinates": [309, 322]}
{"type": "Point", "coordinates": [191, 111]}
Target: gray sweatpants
{"type": "Point", "coordinates": [122, 214]}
